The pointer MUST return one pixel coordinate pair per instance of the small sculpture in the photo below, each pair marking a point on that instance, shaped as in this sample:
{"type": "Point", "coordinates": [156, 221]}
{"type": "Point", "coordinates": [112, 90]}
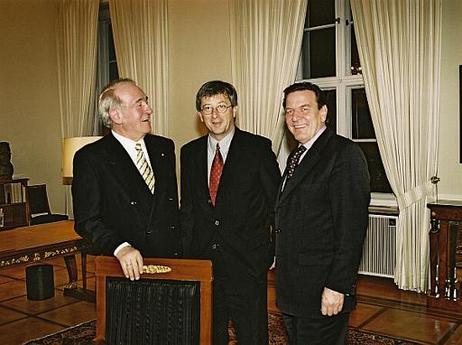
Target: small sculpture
{"type": "Point", "coordinates": [6, 168]}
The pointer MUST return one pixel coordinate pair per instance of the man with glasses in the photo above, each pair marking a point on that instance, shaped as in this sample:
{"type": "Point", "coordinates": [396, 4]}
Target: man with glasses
{"type": "Point", "coordinates": [322, 216]}
{"type": "Point", "coordinates": [124, 187]}
{"type": "Point", "coordinates": [229, 181]}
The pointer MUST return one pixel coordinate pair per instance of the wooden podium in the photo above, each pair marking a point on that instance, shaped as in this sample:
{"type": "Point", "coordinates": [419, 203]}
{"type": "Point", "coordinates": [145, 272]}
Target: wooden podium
{"type": "Point", "coordinates": [133, 312]}
{"type": "Point", "coordinates": [444, 293]}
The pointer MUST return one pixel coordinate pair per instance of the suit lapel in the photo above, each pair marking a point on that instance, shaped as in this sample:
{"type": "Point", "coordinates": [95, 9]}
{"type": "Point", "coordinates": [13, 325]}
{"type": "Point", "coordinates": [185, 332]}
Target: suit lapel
{"type": "Point", "coordinates": [198, 169]}
{"type": "Point", "coordinates": [159, 165]}
{"type": "Point", "coordinates": [202, 167]}
{"type": "Point", "coordinates": [121, 165]}
{"type": "Point", "coordinates": [308, 162]}
{"type": "Point", "coordinates": [230, 163]}
{"type": "Point", "coordinates": [125, 171]}
{"type": "Point", "coordinates": [157, 158]}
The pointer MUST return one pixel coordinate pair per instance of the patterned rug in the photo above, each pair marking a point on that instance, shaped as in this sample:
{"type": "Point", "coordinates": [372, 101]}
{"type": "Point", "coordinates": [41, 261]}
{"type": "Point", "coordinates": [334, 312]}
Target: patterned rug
{"type": "Point", "coordinates": [84, 333]}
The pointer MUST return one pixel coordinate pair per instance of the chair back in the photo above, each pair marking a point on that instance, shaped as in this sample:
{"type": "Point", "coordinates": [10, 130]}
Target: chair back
{"type": "Point", "coordinates": [38, 199]}
{"type": "Point", "coordinates": [171, 303]}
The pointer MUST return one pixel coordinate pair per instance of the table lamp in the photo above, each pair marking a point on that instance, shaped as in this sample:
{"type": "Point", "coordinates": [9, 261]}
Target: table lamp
{"type": "Point", "coordinates": [70, 147]}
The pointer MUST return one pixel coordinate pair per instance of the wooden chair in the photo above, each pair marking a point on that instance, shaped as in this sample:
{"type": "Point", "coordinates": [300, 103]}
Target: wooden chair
{"type": "Point", "coordinates": [171, 303]}
{"type": "Point", "coordinates": [40, 212]}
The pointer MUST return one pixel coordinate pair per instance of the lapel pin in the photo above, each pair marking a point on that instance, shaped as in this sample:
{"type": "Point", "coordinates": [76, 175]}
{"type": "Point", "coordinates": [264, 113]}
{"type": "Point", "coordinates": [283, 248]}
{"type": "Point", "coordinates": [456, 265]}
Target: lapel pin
{"type": "Point", "coordinates": [162, 154]}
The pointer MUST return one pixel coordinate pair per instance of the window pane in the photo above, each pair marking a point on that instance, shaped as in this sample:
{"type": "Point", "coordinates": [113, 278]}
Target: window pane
{"type": "Point", "coordinates": [320, 12]}
{"type": "Point", "coordinates": [318, 53]}
{"type": "Point", "coordinates": [362, 127]}
{"type": "Point", "coordinates": [331, 109]}
{"type": "Point", "coordinates": [379, 181]}
{"type": "Point", "coordinates": [354, 56]}
{"type": "Point", "coordinates": [111, 47]}
{"type": "Point", "coordinates": [113, 72]}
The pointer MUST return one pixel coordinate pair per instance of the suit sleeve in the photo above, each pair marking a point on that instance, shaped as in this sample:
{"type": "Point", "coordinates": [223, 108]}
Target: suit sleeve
{"type": "Point", "coordinates": [186, 204]}
{"type": "Point", "coordinates": [270, 178]}
{"type": "Point", "coordinates": [349, 196]}
{"type": "Point", "coordinates": [87, 204]}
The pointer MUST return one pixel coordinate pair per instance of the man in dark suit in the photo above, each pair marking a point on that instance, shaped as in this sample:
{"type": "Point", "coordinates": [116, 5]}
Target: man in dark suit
{"type": "Point", "coordinates": [321, 220]}
{"type": "Point", "coordinates": [124, 187]}
{"type": "Point", "coordinates": [227, 213]}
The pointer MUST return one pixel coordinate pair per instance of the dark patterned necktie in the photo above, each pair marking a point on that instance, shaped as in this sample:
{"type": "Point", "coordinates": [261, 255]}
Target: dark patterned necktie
{"type": "Point", "coordinates": [215, 174]}
{"type": "Point", "coordinates": [292, 162]}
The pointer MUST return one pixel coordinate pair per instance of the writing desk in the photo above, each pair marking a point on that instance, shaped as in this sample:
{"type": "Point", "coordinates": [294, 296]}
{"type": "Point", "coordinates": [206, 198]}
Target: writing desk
{"type": "Point", "coordinates": [32, 244]}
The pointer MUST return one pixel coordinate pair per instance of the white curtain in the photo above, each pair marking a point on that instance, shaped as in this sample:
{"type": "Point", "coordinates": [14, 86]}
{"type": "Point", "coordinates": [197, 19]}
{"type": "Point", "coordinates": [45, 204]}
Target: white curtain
{"type": "Point", "coordinates": [76, 47]}
{"type": "Point", "coordinates": [399, 43]}
{"type": "Point", "coordinates": [266, 39]}
{"type": "Point", "coordinates": [140, 31]}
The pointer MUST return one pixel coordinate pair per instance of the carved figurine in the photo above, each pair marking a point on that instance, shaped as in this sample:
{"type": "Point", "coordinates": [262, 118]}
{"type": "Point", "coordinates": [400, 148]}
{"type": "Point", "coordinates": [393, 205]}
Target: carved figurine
{"type": "Point", "coordinates": [6, 168]}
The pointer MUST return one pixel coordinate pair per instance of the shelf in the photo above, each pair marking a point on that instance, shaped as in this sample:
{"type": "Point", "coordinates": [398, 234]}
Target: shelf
{"type": "Point", "coordinates": [13, 203]}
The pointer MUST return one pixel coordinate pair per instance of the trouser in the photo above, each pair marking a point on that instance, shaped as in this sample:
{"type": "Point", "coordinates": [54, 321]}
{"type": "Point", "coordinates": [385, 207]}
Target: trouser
{"type": "Point", "coordinates": [244, 302]}
{"type": "Point", "coordinates": [330, 330]}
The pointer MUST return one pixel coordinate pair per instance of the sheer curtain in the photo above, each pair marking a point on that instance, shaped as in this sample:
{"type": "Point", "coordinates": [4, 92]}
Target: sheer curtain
{"type": "Point", "coordinates": [140, 31]}
{"type": "Point", "coordinates": [266, 38]}
{"type": "Point", "coordinates": [76, 47]}
{"type": "Point", "coordinates": [399, 43]}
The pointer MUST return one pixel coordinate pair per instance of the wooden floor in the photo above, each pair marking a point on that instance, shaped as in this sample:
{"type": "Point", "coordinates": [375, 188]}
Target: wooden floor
{"type": "Point", "coordinates": [382, 309]}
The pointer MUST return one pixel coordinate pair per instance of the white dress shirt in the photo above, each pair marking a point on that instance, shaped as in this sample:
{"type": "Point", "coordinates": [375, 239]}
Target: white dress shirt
{"type": "Point", "coordinates": [224, 143]}
{"type": "Point", "coordinates": [129, 146]}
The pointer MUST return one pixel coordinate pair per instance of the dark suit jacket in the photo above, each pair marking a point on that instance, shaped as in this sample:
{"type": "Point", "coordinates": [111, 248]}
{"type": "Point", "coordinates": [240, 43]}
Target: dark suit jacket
{"type": "Point", "coordinates": [112, 203]}
{"type": "Point", "coordinates": [241, 219]}
{"type": "Point", "coordinates": [321, 220]}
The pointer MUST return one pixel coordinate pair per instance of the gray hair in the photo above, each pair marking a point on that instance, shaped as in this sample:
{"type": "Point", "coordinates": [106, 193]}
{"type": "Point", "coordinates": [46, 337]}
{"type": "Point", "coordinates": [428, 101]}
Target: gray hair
{"type": "Point", "coordinates": [108, 99]}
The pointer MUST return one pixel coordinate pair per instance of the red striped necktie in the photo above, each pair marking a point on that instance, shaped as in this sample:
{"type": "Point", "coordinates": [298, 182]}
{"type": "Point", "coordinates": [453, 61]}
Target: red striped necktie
{"type": "Point", "coordinates": [215, 174]}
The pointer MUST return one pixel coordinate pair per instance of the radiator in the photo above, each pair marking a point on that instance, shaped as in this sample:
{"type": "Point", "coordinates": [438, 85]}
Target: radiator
{"type": "Point", "coordinates": [379, 250]}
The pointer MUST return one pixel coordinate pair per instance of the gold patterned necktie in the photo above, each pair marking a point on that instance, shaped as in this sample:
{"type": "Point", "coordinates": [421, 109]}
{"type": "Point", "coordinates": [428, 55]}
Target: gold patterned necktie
{"type": "Point", "coordinates": [215, 174]}
{"type": "Point", "coordinates": [144, 168]}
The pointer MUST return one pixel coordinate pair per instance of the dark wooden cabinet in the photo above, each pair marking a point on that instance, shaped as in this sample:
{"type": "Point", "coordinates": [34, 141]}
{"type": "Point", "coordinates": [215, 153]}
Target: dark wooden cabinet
{"type": "Point", "coordinates": [445, 219]}
{"type": "Point", "coordinates": [14, 206]}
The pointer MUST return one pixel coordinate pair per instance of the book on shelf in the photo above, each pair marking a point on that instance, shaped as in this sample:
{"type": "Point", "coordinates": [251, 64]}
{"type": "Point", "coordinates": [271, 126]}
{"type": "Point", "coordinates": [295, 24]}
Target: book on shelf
{"type": "Point", "coordinates": [13, 192]}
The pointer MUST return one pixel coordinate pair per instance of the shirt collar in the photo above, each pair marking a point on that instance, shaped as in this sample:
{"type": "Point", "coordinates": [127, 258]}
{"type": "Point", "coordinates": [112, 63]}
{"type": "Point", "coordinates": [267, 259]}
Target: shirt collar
{"type": "Point", "coordinates": [310, 142]}
{"type": "Point", "coordinates": [129, 144]}
{"type": "Point", "coordinates": [225, 143]}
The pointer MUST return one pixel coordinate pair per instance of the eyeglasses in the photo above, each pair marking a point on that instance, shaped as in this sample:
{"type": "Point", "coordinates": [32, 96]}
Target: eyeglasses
{"type": "Point", "coordinates": [208, 109]}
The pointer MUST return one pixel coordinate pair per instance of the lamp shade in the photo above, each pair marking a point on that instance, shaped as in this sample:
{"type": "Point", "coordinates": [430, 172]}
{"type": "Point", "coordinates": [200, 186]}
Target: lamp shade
{"type": "Point", "coordinates": [70, 147]}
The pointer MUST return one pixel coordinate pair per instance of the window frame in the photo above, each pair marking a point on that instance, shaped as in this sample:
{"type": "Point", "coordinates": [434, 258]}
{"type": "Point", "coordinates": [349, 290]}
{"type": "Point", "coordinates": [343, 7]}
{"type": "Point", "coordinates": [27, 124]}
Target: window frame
{"type": "Point", "coordinates": [344, 82]}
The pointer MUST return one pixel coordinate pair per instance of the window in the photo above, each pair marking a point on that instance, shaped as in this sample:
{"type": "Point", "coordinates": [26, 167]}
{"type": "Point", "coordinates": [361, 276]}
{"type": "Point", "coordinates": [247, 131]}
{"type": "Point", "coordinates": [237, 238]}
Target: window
{"type": "Point", "coordinates": [330, 59]}
{"type": "Point", "coordinates": [106, 68]}
{"type": "Point", "coordinates": [107, 62]}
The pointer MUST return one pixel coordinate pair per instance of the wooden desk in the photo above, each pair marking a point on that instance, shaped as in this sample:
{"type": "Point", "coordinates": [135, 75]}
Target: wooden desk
{"type": "Point", "coordinates": [444, 292]}
{"type": "Point", "coordinates": [271, 290]}
{"type": "Point", "coordinates": [31, 244]}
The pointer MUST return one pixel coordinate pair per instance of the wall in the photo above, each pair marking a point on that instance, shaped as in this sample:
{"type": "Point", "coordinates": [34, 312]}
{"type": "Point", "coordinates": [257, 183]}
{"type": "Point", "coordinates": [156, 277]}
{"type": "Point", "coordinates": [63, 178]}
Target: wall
{"type": "Point", "coordinates": [450, 168]}
{"type": "Point", "coordinates": [29, 116]}
{"type": "Point", "coordinates": [199, 51]}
